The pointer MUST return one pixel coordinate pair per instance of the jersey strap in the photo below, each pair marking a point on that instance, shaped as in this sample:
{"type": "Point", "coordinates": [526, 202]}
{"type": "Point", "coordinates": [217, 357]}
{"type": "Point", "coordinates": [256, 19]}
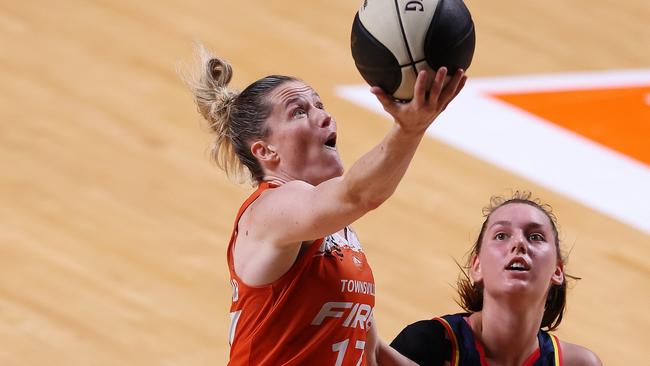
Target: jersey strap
{"type": "Point", "coordinates": [467, 350]}
{"type": "Point", "coordinates": [464, 351]}
{"type": "Point", "coordinates": [550, 352]}
{"type": "Point", "coordinates": [255, 195]}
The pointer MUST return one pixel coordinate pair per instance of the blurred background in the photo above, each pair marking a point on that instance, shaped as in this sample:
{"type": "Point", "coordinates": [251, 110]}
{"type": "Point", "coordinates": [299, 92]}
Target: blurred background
{"type": "Point", "coordinates": [114, 223]}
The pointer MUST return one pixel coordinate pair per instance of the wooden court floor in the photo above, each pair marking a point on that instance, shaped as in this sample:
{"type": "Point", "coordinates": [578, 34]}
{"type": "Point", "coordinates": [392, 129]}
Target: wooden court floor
{"type": "Point", "coordinates": [114, 223]}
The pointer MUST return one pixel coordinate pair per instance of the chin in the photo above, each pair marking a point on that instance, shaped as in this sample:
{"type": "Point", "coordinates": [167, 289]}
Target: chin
{"type": "Point", "coordinates": [522, 288]}
{"type": "Point", "coordinates": [333, 174]}
{"type": "Point", "coordinates": [335, 169]}
{"type": "Point", "coordinates": [513, 286]}
{"type": "Point", "coordinates": [329, 174]}
{"type": "Point", "coordinates": [337, 165]}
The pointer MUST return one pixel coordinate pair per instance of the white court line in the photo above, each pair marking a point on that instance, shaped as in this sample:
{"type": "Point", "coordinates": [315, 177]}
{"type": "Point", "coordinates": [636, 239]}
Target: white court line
{"type": "Point", "coordinates": [541, 151]}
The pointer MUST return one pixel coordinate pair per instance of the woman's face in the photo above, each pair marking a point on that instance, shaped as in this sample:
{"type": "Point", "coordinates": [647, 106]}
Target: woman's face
{"type": "Point", "coordinates": [518, 253]}
{"type": "Point", "coordinates": [302, 134]}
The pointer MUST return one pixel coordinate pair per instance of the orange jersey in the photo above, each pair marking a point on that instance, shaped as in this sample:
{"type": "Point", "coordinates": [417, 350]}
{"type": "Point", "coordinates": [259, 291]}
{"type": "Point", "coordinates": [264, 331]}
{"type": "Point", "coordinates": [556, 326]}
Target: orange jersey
{"type": "Point", "coordinates": [318, 313]}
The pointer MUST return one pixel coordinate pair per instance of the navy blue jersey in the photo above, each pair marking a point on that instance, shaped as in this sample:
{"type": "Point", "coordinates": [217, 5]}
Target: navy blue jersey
{"type": "Point", "coordinates": [449, 339]}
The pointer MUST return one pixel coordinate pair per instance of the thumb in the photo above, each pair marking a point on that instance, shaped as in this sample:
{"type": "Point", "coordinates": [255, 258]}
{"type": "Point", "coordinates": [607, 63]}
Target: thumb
{"type": "Point", "coordinates": [383, 98]}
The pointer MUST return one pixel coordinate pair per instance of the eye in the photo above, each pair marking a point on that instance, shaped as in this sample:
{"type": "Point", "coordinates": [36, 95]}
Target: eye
{"type": "Point", "coordinates": [536, 237]}
{"type": "Point", "coordinates": [320, 105]}
{"type": "Point", "coordinates": [298, 112]}
{"type": "Point", "coordinates": [501, 236]}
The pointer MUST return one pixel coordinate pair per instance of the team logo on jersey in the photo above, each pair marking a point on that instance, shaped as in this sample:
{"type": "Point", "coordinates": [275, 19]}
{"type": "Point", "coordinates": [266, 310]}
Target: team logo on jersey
{"type": "Point", "coordinates": [330, 248]}
{"type": "Point", "coordinates": [357, 262]}
{"type": "Point", "coordinates": [333, 245]}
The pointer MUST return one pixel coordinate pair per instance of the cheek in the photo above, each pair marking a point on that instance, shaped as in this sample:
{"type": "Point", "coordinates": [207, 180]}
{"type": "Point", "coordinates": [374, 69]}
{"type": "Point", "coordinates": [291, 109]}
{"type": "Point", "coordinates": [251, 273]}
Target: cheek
{"type": "Point", "coordinates": [293, 140]}
{"type": "Point", "coordinates": [490, 262]}
{"type": "Point", "coordinates": [548, 258]}
{"type": "Point", "coordinates": [299, 144]}
{"type": "Point", "coordinates": [302, 135]}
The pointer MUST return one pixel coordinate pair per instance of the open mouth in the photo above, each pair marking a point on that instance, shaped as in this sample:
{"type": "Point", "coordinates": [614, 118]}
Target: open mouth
{"type": "Point", "coordinates": [331, 141]}
{"type": "Point", "coordinates": [518, 264]}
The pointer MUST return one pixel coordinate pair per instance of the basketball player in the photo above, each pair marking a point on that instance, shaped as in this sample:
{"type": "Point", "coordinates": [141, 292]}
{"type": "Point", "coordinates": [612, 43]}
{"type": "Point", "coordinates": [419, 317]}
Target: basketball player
{"type": "Point", "coordinates": [303, 292]}
{"type": "Point", "coordinates": [516, 287]}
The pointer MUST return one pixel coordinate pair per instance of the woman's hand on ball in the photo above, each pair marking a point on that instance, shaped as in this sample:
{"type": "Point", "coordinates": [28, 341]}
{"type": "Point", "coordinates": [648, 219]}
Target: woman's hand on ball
{"type": "Point", "coordinates": [418, 114]}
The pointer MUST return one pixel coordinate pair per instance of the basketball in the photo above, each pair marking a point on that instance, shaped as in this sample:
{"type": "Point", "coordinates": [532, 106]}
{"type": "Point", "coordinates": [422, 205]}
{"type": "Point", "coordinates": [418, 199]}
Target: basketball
{"type": "Point", "coordinates": [393, 40]}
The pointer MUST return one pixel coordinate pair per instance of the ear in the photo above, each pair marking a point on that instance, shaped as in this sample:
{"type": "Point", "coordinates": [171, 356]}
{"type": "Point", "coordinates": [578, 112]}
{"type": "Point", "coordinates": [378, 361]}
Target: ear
{"type": "Point", "coordinates": [264, 152]}
{"type": "Point", "coordinates": [475, 269]}
{"type": "Point", "coordinates": [558, 275]}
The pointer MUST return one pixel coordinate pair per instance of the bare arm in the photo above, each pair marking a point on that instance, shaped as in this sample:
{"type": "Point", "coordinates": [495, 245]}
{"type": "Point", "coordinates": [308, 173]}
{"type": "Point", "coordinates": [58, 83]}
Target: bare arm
{"type": "Point", "coordinates": [575, 355]}
{"type": "Point", "coordinates": [388, 356]}
{"type": "Point", "coordinates": [298, 211]}
{"type": "Point", "coordinates": [378, 353]}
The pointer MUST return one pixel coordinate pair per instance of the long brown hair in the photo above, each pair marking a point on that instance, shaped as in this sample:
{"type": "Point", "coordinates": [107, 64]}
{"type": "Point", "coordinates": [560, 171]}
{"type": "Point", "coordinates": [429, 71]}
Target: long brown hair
{"type": "Point", "coordinates": [236, 118]}
{"type": "Point", "coordinates": [471, 294]}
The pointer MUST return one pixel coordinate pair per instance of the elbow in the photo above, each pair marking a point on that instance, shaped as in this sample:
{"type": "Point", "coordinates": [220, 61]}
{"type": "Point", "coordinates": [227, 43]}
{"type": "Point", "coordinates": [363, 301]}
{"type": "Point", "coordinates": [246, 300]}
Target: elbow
{"type": "Point", "coordinates": [367, 202]}
{"type": "Point", "coordinates": [372, 203]}
{"type": "Point", "coordinates": [367, 198]}
{"type": "Point", "coordinates": [377, 198]}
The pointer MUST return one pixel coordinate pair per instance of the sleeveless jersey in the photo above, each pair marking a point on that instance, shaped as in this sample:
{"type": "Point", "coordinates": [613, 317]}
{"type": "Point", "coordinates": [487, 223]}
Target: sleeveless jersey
{"type": "Point", "coordinates": [466, 350]}
{"type": "Point", "coordinates": [317, 313]}
{"type": "Point", "coordinates": [449, 340]}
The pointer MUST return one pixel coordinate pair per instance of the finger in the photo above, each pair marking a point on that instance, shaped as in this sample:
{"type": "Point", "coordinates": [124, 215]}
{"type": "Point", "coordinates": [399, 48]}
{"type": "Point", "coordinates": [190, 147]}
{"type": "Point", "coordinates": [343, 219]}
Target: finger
{"type": "Point", "coordinates": [383, 98]}
{"type": "Point", "coordinates": [420, 88]}
{"type": "Point", "coordinates": [460, 86]}
{"type": "Point", "coordinates": [450, 89]}
{"type": "Point", "coordinates": [458, 89]}
{"type": "Point", "coordinates": [377, 90]}
{"type": "Point", "coordinates": [439, 81]}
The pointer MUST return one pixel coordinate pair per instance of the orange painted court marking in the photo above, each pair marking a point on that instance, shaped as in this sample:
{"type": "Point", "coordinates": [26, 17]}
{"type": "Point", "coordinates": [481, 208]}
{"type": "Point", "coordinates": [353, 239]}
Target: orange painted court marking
{"type": "Point", "coordinates": [579, 134]}
{"type": "Point", "coordinates": [618, 118]}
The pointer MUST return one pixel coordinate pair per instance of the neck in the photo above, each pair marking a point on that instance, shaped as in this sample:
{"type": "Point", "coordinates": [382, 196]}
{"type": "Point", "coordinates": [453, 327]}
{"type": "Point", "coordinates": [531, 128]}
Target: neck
{"type": "Point", "coordinates": [508, 331]}
{"type": "Point", "coordinates": [275, 180]}
{"type": "Point", "coordinates": [282, 177]}
{"type": "Point", "coordinates": [278, 177]}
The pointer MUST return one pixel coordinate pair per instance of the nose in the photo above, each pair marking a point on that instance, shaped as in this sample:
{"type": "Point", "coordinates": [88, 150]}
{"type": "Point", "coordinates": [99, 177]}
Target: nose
{"type": "Point", "coordinates": [518, 244]}
{"type": "Point", "coordinates": [325, 120]}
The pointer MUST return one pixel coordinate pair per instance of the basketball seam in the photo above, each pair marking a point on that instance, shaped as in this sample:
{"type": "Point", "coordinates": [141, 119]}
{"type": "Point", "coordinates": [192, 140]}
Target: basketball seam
{"type": "Point", "coordinates": [358, 22]}
{"type": "Point", "coordinates": [406, 42]}
{"type": "Point", "coordinates": [467, 34]}
{"type": "Point", "coordinates": [413, 63]}
{"type": "Point", "coordinates": [469, 31]}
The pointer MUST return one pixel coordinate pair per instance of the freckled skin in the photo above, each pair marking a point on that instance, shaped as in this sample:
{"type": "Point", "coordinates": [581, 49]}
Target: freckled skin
{"type": "Point", "coordinates": [313, 198]}
{"type": "Point", "coordinates": [299, 128]}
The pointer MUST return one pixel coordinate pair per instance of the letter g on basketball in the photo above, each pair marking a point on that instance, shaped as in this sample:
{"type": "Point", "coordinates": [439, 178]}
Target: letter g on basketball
{"type": "Point", "coordinates": [414, 6]}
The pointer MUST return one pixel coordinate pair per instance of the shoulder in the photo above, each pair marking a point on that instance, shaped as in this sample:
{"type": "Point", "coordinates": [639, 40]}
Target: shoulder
{"type": "Point", "coordinates": [575, 355]}
{"type": "Point", "coordinates": [272, 198]}
{"type": "Point", "coordinates": [424, 342]}
{"type": "Point", "coordinates": [287, 195]}
{"type": "Point", "coordinates": [422, 328]}
{"type": "Point", "coordinates": [290, 187]}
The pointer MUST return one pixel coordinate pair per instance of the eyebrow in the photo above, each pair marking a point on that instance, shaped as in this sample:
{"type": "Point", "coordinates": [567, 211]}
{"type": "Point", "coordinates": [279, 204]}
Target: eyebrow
{"type": "Point", "coordinates": [533, 225]}
{"type": "Point", "coordinates": [300, 96]}
{"type": "Point", "coordinates": [292, 100]}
